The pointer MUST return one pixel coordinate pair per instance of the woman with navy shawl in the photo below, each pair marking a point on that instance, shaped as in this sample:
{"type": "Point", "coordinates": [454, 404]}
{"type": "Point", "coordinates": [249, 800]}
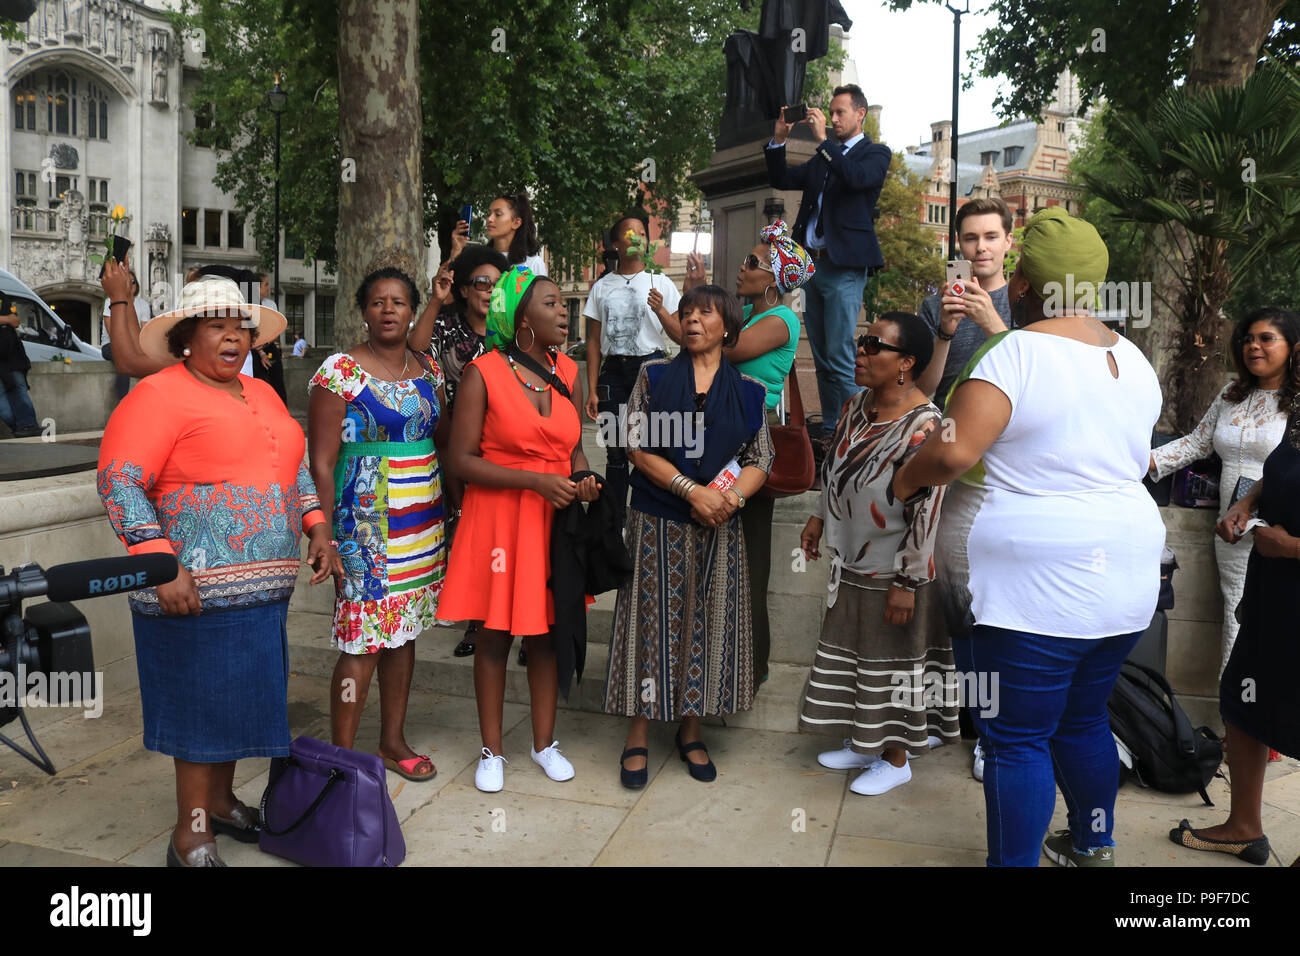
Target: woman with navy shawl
{"type": "Point", "coordinates": [682, 642]}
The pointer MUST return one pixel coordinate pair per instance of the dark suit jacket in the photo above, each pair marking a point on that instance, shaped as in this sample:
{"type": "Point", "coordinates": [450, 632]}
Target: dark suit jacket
{"type": "Point", "coordinates": [852, 184]}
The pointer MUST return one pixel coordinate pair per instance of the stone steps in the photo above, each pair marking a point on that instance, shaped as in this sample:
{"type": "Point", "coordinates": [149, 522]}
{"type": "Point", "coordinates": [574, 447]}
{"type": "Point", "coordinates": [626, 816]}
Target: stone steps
{"type": "Point", "coordinates": [795, 603]}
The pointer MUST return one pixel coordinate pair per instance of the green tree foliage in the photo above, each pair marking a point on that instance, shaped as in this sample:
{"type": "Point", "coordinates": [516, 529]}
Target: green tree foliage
{"type": "Point", "coordinates": [247, 43]}
{"type": "Point", "coordinates": [1215, 174]}
{"type": "Point", "coordinates": [913, 262]}
{"type": "Point", "coordinates": [1098, 157]}
{"type": "Point", "coordinates": [589, 104]}
{"type": "Point", "coordinates": [1130, 53]}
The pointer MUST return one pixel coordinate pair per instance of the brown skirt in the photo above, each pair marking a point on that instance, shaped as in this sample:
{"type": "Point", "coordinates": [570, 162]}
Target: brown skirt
{"type": "Point", "coordinates": [881, 685]}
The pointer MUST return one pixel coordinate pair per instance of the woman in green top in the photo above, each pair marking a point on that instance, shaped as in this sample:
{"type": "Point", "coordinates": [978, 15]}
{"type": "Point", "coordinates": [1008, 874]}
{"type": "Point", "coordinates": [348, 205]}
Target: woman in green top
{"type": "Point", "coordinates": [765, 350]}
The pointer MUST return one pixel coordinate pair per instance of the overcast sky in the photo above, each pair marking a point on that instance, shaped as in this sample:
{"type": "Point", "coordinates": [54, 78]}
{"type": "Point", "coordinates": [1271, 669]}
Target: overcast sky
{"type": "Point", "coordinates": [904, 63]}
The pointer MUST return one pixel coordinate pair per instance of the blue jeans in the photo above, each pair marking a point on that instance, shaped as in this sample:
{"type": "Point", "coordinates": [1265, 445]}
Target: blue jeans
{"type": "Point", "coordinates": [1050, 729]}
{"type": "Point", "coordinates": [832, 301]}
{"type": "Point", "coordinates": [16, 409]}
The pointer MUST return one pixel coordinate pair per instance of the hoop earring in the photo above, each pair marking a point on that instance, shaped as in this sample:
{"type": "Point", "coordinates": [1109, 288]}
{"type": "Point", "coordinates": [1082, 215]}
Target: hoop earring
{"type": "Point", "coordinates": [778, 295]}
{"type": "Point", "coordinates": [531, 342]}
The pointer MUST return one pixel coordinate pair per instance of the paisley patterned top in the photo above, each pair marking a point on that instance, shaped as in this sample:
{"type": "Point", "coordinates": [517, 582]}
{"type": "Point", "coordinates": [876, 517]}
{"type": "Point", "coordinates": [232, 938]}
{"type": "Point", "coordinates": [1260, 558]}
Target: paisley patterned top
{"type": "Point", "coordinates": [185, 468]}
{"type": "Point", "coordinates": [863, 530]}
{"type": "Point", "coordinates": [388, 506]}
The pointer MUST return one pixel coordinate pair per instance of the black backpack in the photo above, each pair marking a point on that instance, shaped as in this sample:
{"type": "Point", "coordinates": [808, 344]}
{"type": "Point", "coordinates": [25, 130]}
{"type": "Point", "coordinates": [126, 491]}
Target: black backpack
{"type": "Point", "coordinates": [1167, 753]}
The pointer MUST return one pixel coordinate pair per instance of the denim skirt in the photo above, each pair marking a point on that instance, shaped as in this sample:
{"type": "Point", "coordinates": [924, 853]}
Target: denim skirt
{"type": "Point", "coordinates": [214, 687]}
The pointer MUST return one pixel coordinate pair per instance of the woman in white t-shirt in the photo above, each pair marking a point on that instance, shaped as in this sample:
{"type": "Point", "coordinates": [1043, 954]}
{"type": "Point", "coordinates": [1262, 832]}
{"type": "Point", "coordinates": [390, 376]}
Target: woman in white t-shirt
{"type": "Point", "coordinates": [1064, 550]}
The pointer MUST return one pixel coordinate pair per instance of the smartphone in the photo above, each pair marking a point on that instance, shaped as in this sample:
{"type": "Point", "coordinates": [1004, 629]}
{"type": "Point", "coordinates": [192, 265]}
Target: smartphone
{"type": "Point", "coordinates": [467, 214]}
{"type": "Point", "coordinates": [795, 114]}
{"type": "Point", "coordinates": [958, 275]}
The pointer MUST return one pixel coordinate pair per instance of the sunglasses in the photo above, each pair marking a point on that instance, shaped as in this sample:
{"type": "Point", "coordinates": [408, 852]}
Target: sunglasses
{"type": "Point", "coordinates": [873, 345]}
{"type": "Point", "coordinates": [482, 283]}
{"type": "Point", "coordinates": [752, 263]}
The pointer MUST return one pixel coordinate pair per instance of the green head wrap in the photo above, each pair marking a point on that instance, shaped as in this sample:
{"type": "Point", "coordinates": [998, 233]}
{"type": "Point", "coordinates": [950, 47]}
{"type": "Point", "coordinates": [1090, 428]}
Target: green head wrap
{"type": "Point", "coordinates": [506, 296]}
{"type": "Point", "coordinates": [1063, 258]}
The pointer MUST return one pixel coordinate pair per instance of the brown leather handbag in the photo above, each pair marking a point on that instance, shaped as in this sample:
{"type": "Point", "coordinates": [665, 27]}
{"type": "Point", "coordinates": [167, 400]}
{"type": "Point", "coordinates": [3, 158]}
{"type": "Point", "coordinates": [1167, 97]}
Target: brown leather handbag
{"type": "Point", "coordinates": [793, 470]}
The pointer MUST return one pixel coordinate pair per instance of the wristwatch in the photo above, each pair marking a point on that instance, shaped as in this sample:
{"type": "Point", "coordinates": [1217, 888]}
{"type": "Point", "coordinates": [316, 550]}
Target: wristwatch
{"type": "Point", "coordinates": [739, 497]}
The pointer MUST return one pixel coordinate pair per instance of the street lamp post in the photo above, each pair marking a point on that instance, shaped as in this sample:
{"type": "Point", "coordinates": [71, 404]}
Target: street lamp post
{"type": "Point", "coordinates": [276, 100]}
{"type": "Point", "coordinates": [952, 138]}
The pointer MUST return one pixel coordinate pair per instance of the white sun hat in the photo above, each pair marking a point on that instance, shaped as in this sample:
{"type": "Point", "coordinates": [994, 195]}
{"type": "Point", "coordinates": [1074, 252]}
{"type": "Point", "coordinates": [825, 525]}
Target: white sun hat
{"type": "Point", "coordinates": [211, 295]}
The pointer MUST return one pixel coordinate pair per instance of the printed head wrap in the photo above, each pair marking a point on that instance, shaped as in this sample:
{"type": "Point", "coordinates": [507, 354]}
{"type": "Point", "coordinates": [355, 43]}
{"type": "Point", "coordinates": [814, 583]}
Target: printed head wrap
{"type": "Point", "coordinates": [506, 296]}
{"type": "Point", "coordinates": [791, 263]}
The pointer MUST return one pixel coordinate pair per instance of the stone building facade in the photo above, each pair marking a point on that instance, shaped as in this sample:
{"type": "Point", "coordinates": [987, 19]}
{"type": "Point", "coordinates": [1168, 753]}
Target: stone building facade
{"type": "Point", "coordinates": [93, 115]}
{"type": "Point", "coordinates": [1026, 162]}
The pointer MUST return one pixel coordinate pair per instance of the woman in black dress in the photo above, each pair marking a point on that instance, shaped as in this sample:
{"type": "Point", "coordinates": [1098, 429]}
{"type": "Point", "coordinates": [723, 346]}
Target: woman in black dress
{"type": "Point", "coordinates": [1257, 691]}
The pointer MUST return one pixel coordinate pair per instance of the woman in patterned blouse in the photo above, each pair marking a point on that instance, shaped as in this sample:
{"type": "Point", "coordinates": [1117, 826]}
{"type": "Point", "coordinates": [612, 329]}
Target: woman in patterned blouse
{"type": "Point", "coordinates": [204, 463]}
{"type": "Point", "coordinates": [884, 677]}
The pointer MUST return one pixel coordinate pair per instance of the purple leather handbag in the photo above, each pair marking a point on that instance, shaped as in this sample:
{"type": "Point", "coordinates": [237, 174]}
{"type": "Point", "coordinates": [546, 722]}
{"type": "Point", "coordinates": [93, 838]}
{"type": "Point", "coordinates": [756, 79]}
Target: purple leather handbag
{"type": "Point", "coordinates": [327, 806]}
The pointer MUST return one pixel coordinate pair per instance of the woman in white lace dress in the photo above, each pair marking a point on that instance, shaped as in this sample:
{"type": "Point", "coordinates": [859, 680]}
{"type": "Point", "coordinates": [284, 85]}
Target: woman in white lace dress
{"type": "Point", "coordinates": [1244, 425]}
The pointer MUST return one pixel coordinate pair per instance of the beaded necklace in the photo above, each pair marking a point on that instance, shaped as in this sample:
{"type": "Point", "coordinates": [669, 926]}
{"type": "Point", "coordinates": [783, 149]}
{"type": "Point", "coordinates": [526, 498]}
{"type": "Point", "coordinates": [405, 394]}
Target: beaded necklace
{"type": "Point", "coordinates": [523, 381]}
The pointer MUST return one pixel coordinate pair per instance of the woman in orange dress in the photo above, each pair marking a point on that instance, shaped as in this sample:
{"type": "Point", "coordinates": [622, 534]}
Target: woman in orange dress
{"type": "Point", "coordinates": [515, 444]}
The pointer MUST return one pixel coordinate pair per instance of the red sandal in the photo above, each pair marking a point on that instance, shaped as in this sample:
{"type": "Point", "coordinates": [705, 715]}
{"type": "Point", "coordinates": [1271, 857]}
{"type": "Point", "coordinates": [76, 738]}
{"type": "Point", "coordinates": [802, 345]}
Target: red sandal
{"type": "Point", "coordinates": [406, 768]}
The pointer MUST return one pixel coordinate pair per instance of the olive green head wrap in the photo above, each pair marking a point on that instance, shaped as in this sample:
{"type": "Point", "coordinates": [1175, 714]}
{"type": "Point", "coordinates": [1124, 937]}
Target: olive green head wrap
{"type": "Point", "coordinates": [1063, 258]}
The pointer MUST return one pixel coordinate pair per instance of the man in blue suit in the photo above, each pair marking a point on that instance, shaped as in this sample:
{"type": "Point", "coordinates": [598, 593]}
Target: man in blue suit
{"type": "Point", "coordinates": [841, 185]}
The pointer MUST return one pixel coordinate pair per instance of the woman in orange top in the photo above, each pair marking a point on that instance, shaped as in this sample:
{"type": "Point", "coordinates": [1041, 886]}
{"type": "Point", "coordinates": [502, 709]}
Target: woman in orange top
{"type": "Point", "coordinates": [515, 443]}
{"type": "Point", "coordinates": [204, 463]}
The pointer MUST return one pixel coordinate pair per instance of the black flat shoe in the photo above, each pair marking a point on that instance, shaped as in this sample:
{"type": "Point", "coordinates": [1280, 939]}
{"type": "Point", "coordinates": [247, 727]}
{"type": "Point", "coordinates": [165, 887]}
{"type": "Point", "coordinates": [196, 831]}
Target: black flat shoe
{"type": "Point", "coordinates": [465, 648]}
{"type": "Point", "coordinates": [705, 773]}
{"type": "Point", "coordinates": [244, 824]}
{"type": "Point", "coordinates": [1252, 851]}
{"type": "Point", "coordinates": [523, 657]}
{"type": "Point", "coordinates": [634, 779]}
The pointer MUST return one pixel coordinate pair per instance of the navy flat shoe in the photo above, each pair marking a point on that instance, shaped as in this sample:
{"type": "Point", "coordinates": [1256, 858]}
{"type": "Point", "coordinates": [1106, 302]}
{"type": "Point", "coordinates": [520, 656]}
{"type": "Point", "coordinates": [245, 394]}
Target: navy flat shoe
{"type": "Point", "coordinates": [705, 773]}
{"type": "Point", "coordinates": [634, 779]}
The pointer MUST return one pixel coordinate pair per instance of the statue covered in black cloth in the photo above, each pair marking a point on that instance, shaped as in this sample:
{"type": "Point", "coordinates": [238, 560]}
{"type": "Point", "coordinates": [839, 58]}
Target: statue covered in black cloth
{"type": "Point", "coordinates": [765, 70]}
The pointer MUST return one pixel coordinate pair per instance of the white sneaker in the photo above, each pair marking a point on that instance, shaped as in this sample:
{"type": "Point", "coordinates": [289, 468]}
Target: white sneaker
{"type": "Point", "coordinates": [977, 768]}
{"type": "Point", "coordinates": [932, 741]}
{"type": "Point", "coordinates": [881, 777]}
{"type": "Point", "coordinates": [555, 764]}
{"type": "Point", "coordinates": [491, 773]}
{"type": "Point", "coordinates": [846, 758]}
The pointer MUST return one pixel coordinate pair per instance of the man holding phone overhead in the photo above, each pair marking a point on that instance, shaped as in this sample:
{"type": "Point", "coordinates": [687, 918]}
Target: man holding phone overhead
{"type": "Point", "coordinates": [841, 185]}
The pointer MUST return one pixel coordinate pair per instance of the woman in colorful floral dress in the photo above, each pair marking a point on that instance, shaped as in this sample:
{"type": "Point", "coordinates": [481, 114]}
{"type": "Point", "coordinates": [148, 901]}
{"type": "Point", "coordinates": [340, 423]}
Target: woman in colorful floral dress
{"type": "Point", "coordinates": [373, 415]}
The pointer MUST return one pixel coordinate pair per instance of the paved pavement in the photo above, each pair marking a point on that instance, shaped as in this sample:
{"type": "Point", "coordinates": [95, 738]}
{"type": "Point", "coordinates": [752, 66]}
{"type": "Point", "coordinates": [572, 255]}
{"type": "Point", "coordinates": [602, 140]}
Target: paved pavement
{"type": "Point", "coordinates": [113, 802]}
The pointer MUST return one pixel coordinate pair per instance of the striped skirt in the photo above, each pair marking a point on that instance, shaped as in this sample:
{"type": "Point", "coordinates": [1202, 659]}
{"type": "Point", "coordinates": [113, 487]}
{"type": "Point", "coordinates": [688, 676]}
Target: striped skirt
{"type": "Point", "coordinates": [682, 644]}
{"type": "Point", "coordinates": [880, 685]}
{"type": "Point", "coordinates": [388, 520]}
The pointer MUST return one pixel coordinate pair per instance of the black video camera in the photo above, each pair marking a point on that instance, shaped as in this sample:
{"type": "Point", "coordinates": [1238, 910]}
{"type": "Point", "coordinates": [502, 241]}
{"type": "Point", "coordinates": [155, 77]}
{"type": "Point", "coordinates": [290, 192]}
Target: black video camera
{"type": "Point", "coordinates": [47, 652]}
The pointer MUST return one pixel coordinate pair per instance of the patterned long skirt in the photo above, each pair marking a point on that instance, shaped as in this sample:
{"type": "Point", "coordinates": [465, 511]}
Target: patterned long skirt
{"type": "Point", "coordinates": [881, 685]}
{"type": "Point", "coordinates": [682, 643]}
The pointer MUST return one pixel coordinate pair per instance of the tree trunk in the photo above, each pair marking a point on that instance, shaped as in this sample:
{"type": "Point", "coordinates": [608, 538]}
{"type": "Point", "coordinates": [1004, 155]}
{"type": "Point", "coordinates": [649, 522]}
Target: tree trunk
{"type": "Point", "coordinates": [1187, 345]}
{"type": "Point", "coordinates": [1229, 34]}
{"type": "Point", "coordinates": [380, 131]}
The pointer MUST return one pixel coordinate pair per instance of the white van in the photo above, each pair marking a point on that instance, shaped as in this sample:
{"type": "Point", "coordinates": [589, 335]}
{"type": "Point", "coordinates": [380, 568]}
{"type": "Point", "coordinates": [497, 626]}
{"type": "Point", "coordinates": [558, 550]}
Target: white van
{"type": "Point", "coordinates": [45, 336]}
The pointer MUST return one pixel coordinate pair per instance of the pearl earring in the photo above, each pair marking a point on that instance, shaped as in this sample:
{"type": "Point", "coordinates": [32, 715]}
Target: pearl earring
{"type": "Point", "coordinates": [186, 352]}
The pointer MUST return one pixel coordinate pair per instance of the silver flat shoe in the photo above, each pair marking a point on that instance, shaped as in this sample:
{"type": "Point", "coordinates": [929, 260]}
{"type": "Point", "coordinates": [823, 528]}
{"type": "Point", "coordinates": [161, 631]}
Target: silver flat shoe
{"type": "Point", "coordinates": [205, 854]}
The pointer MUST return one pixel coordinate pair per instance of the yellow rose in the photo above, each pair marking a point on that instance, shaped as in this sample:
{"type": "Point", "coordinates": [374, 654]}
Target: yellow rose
{"type": "Point", "coordinates": [119, 212]}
